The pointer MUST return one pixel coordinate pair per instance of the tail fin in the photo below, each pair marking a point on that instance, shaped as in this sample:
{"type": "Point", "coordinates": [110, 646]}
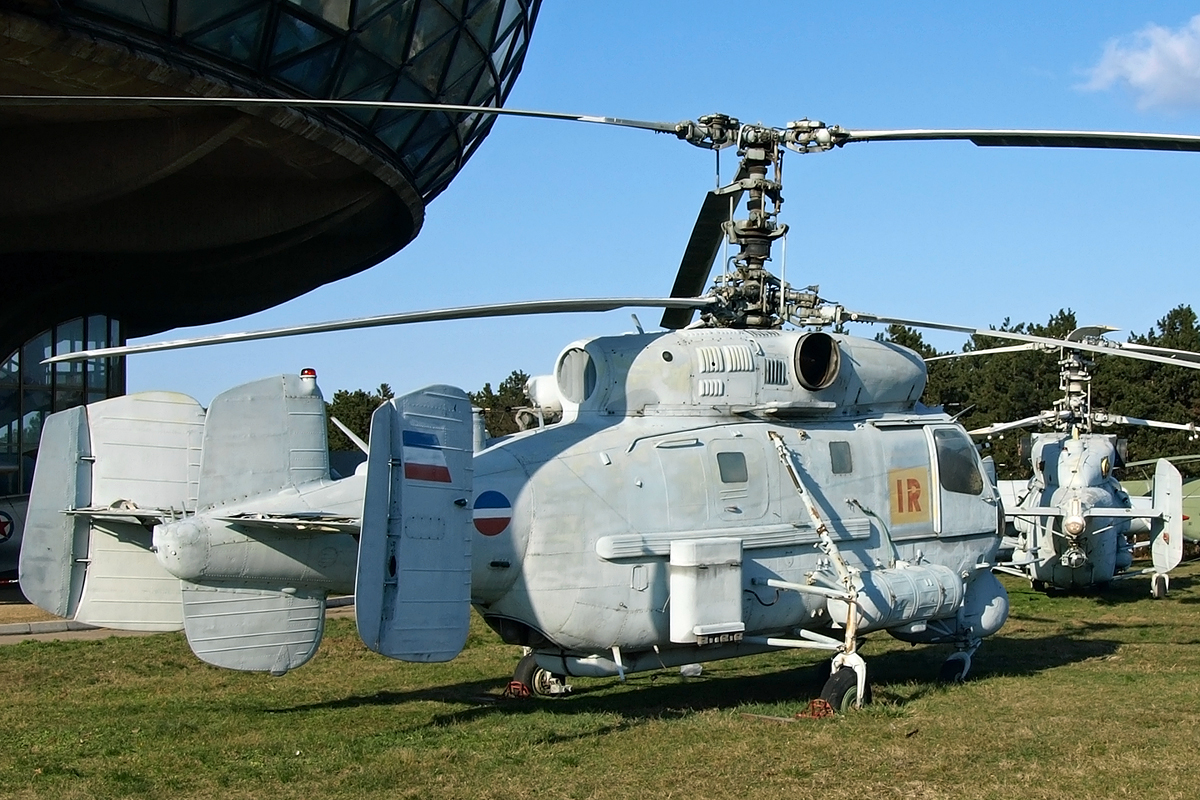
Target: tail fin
{"type": "Point", "coordinates": [254, 588]}
{"type": "Point", "coordinates": [262, 437]}
{"type": "Point", "coordinates": [106, 473]}
{"type": "Point", "coordinates": [1166, 549]}
{"type": "Point", "coordinates": [413, 593]}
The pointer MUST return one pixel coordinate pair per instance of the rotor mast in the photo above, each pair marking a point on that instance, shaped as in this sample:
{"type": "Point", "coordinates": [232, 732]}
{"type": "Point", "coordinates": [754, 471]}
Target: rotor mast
{"type": "Point", "coordinates": [751, 296]}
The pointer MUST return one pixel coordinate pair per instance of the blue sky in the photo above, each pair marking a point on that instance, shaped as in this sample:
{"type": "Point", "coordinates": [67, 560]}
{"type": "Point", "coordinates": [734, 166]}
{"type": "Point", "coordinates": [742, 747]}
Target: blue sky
{"type": "Point", "coordinates": [940, 231]}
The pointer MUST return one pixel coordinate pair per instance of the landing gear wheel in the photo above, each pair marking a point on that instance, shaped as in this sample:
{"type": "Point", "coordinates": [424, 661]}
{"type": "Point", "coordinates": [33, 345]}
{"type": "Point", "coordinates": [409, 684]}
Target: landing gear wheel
{"type": "Point", "coordinates": [841, 690]}
{"type": "Point", "coordinates": [1037, 585]}
{"type": "Point", "coordinates": [540, 682]}
{"type": "Point", "coordinates": [1158, 587]}
{"type": "Point", "coordinates": [954, 670]}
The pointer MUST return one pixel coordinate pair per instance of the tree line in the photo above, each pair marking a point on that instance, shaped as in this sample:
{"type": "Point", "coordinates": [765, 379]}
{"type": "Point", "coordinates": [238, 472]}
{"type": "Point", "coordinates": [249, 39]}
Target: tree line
{"type": "Point", "coordinates": [353, 408]}
{"type": "Point", "coordinates": [1009, 386]}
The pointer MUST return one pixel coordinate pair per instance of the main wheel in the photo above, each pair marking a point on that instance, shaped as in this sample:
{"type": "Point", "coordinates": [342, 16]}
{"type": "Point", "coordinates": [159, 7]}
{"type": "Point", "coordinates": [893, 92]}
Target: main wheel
{"type": "Point", "coordinates": [1158, 587]}
{"type": "Point", "coordinates": [536, 679]}
{"type": "Point", "coordinates": [953, 671]}
{"type": "Point", "coordinates": [841, 690]}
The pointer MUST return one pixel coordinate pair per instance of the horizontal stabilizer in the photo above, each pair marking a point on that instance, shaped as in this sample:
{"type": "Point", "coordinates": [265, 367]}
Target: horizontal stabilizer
{"type": "Point", "coordinates": [253, 630]}
{"type": "Point", "coordinates": [308, 522]}
{"type": "Point", "coordinates": [413, 595]}
{"type": "Point", "coordinates": [1166, 550]}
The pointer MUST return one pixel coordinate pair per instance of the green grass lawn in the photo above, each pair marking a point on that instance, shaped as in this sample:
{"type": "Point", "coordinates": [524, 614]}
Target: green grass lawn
{"type": "Point", "coordinates": [1078, 696]}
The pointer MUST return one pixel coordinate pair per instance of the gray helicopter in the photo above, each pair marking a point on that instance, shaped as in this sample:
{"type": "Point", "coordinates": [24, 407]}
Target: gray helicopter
{"type": "Point", "coordinates": [724, 487]}
{"type": "Point", "coordinates": [1071, 524]}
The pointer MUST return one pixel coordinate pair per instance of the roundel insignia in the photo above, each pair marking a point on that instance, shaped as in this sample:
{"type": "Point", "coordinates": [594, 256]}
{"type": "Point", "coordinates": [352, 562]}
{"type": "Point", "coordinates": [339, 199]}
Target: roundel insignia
{"type": "Point", "coordinates": [7, 526]}
{"type": "Point", "coordinates": [492, 513]}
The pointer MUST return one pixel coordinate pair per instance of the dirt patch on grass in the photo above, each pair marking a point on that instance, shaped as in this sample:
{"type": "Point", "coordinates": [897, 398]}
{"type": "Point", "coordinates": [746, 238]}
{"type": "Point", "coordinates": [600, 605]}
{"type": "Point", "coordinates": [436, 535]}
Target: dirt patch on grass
{"type": "Point", "coordinates": [15, 608]}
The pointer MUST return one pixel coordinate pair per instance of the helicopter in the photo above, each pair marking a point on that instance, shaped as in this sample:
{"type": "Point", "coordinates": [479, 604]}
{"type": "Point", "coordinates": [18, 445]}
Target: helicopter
{"type": "Point", "coordinates": [1072, 525]}
{"type": "Point", "coordinates": [722, 488]}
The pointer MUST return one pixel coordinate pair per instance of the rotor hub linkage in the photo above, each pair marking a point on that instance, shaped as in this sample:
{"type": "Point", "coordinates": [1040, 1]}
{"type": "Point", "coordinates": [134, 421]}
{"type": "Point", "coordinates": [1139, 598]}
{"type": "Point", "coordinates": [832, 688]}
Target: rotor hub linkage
{"type": "Point", "coordinates": [752, 296]}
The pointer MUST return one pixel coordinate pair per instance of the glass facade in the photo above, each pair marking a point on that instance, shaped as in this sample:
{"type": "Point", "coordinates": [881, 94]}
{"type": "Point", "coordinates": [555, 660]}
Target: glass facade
{"type": "Point", "coordinates": [30, 390]}
{"type": "Point", "coordinates": [464, 52]}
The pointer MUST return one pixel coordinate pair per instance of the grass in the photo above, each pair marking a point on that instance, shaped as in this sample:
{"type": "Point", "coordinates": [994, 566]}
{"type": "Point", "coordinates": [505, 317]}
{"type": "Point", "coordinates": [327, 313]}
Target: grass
{"type": "Point", "coordinates": [1078, 696]}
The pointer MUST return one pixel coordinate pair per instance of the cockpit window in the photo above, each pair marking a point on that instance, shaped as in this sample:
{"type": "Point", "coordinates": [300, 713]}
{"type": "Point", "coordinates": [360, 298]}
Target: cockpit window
{"type": "Point", "coordinates": [958, 469]}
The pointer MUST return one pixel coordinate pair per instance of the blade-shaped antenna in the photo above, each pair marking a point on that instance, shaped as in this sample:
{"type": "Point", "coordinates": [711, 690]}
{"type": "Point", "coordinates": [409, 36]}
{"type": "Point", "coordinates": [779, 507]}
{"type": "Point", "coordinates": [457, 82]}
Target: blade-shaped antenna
{"type": "Point", "coordinates": [435, 315]}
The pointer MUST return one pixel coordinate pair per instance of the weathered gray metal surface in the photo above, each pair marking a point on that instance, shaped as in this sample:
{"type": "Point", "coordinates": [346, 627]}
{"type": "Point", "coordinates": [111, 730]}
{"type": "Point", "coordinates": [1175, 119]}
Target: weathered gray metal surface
{"type": "Point", "coordinates": [413, 595]}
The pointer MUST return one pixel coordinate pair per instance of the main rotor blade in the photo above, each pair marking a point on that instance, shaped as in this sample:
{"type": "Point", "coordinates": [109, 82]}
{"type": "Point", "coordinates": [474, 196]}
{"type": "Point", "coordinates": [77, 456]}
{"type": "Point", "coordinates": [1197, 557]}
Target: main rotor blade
{"type": "Point", "coordinates": [1031, 138]}
{"type": "Point", "coordinates": [307, 102]}
{"type": "Point", "coordinates": [858, 316]}
{"type": "Point", "coordinates": [702, 247]}
{"type": "Point", "coordinates": [1174, 459]}
{"type": "Point", "coordinates": [1043, 418]}
{"type": "Point", "coordinates": [435, 315]}
{"type": "Point", "coordinates": [1184, 355]}
{"type": "Point", "coordinates": [1106, 419]}
{"type": "Point", "coordinates": [1012, 348]}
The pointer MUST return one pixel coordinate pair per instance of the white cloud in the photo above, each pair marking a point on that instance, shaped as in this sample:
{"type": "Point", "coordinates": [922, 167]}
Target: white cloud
{"type": "Point", "coordinates": [1160, 65]}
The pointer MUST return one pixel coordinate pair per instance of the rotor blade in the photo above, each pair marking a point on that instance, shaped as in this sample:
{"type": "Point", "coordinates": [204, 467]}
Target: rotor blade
{"type": "Point", "coordinates": [1174, 459]}
{"type": "Point", "coordinates": [1120, 419]}
{"type": "Point", "coordinates": [1043, 418]}
{"type": "Point", "coordinates": [702, 247]}
{"type": "Point", "coordinates": [1030, 138]}
{"type": "Point", "coordinates": [435, 315]}
{"type": "Point", "coordinates": [1014, 348]}
{"type": "Point", "coordinates": [858, 316]}
{"type": "Point", "coordinates": [307, 102]}
{"type": "Point", "coordinates": [1183, 355]}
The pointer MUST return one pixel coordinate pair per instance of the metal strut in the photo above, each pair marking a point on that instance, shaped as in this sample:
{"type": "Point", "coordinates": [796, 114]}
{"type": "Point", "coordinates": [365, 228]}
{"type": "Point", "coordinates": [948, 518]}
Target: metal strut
{"type": "Point", "coordinates": [847, 655]}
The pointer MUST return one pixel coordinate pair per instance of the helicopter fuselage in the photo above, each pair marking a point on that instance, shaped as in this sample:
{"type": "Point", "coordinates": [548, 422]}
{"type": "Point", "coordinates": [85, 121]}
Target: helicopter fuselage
{"type": "Point", "coordinates": [1080, 545]}
{"type": "Point", "coordinates": [591, 508]}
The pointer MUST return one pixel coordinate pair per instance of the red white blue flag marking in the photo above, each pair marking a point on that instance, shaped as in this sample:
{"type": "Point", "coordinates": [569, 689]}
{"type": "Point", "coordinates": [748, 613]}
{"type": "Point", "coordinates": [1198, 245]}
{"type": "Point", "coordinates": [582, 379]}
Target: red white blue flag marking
{"type": "Point", "coordinates": [423, 457]}
{"type": "Point", "coordinates": [492, 513]}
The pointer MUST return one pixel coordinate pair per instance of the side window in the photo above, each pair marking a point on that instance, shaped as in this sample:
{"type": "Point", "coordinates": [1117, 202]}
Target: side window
{"type": "Point", "coordinates": [732, 467]}
{"type": "Point", "coordinates": [839, 458]}
{"type": "Point", "coordinates": [957, 467]}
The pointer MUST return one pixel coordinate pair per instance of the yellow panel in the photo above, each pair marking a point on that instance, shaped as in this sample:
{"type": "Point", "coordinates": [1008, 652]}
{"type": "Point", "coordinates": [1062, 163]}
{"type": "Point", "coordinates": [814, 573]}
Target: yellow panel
{"type": "Point", "coordinates": [910, 498]}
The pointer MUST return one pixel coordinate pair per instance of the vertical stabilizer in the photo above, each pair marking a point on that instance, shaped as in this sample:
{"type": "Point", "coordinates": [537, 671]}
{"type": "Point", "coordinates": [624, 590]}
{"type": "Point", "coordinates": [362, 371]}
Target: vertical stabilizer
{"type": "Point", "coordinates": [106, 473]}
{"type": "Point", "coordinates": [1166, 549]}
{"type": "Point", "coordinates": [55, 544]}
{"type": "Point", "coordinates": [413, 594]}
{"type": "Point", "coordinates": [261, 437]}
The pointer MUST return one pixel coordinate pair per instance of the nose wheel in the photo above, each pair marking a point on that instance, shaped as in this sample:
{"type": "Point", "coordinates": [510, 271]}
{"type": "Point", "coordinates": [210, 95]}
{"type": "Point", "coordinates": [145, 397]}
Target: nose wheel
{"type": "Point", "coordinates": [841, 691]}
